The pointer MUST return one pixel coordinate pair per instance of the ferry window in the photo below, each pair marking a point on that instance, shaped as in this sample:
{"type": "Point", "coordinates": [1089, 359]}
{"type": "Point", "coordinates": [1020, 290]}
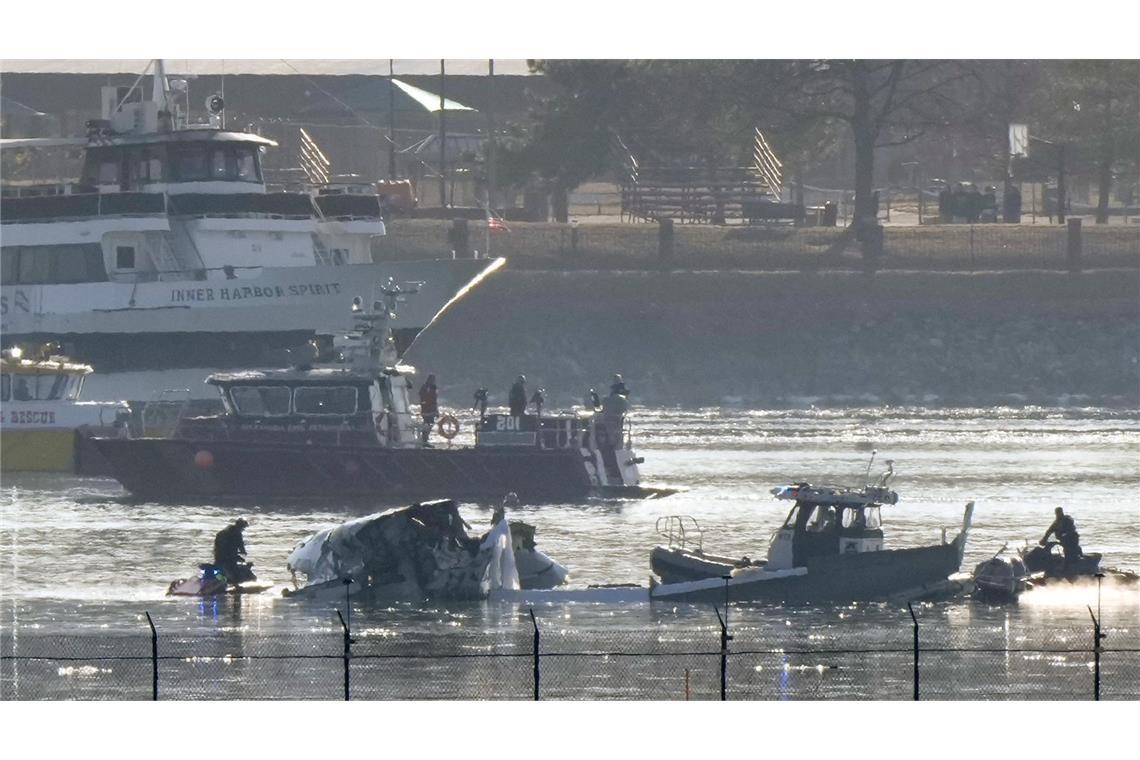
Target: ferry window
{"type": "Point", "coordinates": [218, 164]}
{"type": "Point", "coordinates": [22, 389]}
{"type": "Point", "coordinates": [148, 166]}
{"type": "Point", "coordinates": [125, 257]}
{"type": "Point", "coordinates": [190, 165]}
{"type": "Point", "coordinates": [35, 267]}
{"type": "Point", "coordinates": [9, 264]}
{"type": "Point", "coordinates": [874, 519]}
{"type": "Point", "coordinates": [6, 388]}
{"type": "Point", "coordinates": [325, 400]}
{"type": "Point", "coordinates": [96, 270]}
{"type": "Point", "coordinates": [38, 264]}
{"type": "Point", "coordinates": [246, 166]}
{"type": "Point", "coordinates": [261, 401]}
{"type": "Point", "coordinates": [70, 265]}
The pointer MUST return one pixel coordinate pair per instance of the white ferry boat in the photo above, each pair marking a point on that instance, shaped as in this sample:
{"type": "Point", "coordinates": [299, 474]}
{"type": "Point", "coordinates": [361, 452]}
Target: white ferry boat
{"type": "Point", "coordinates": [44, 426]}
{"type": "Point", "coordinates": [169, 258]}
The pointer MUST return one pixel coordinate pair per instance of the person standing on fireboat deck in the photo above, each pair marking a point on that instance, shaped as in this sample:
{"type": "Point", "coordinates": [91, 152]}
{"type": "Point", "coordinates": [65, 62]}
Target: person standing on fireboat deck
{"type": "Point", "coordinates": [429, 407]}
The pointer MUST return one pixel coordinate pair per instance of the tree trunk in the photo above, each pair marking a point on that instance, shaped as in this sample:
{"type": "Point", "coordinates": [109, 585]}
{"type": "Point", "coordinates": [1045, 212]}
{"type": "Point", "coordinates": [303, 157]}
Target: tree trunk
{"type": "Point", "coordinates": [1104, 175]}
{"type": "Point", "coordinates": [1104, 184]}
{"type": "Point", "coordinates": [560, 204]}
{"type": "Point", "coordinates": [864, 182]}
{"type": "Point", "coordinates": [865, 133]}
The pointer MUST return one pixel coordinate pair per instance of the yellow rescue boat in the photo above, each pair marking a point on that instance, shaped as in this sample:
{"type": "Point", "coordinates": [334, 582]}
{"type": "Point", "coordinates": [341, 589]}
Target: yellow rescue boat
{"type": "Point", "coordinates": [42, 421]}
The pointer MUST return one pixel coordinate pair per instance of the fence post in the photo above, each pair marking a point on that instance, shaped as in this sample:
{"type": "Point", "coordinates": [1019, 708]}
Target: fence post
{"type": "Point", "coordinates": [724, 639]}
{"type": "Point", "coordinates": [1097, 638]}
{"type": "Point", "coordinates": [347, 653]}
{"type": "Point", "coordinates": [534, 623]}
{"type": "Point", "coordinates": [1073, 249]}
{"type": "Point", "coordinates": [915, 619]}
{"type": "Point", "coordinates": [153, 658]}
{"type": "Point", "coordinates": [665, 239]}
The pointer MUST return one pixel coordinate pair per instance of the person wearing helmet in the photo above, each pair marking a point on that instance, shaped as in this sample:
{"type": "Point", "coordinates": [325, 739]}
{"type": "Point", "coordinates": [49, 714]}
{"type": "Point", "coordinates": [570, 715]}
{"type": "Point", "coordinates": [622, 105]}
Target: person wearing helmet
{"type": "Point", "coordinates": [429, 407]}
{"type": "Point", "coordinates": [618, 388]}
{"type": "Point", "coordinates": [518, 398]}
{"type": "Point", "coordinates": [229, 552]}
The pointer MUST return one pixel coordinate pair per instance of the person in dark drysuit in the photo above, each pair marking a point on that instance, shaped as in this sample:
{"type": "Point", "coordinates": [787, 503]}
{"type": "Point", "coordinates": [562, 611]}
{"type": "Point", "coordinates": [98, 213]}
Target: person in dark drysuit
{"type": "Point", "coordinates": [613, 414]}
{"type": "Point", "coordinates": [518, 399]}
{"type": "Point", "coordinates": [480, 404]}
{"type": "Point", "coordinates": [1065, 530]}
{"type": "Point", "coordinates": [429, 407]}
{"type": "Point", "coordinates": [618, 387]}
{"type": "Point", "coordinates": [229, 552]}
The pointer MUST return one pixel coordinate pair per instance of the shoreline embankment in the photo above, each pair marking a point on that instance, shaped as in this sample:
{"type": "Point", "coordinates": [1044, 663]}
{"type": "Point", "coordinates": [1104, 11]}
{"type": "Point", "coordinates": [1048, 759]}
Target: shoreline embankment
{"type": "Point", "coordinates": [789, 339]}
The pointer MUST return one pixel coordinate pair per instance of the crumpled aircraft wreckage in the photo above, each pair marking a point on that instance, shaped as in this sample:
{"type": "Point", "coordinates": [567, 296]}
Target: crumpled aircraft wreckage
{"type": "Point", "coordinates": [417, 553]}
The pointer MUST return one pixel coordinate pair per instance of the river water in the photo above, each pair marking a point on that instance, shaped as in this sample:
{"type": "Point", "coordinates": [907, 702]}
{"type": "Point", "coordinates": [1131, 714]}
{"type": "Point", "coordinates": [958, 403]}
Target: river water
{"type": "Point", "coordinates": [80, 560]}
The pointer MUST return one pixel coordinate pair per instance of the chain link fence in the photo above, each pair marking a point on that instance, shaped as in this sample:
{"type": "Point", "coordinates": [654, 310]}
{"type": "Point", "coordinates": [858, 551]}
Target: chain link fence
{"type": "Point", "coordinates": [550, 659]}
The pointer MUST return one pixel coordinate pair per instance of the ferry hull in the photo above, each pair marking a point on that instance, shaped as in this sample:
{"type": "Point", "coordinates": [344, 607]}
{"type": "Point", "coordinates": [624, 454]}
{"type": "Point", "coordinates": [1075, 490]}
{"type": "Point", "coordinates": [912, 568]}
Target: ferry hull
{"type": "Point", "coordinates": [175, 469]}
{"type": "Point", "coordinates": [864, 576]}
{"type": "Point", "coordinates": [118, 326]}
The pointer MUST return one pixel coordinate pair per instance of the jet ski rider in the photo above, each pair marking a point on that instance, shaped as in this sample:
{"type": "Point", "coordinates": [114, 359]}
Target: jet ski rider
{"type": "Point", "coordinates": [1066, 531]}
{"type": "Point", "coordinates": [229, 552]}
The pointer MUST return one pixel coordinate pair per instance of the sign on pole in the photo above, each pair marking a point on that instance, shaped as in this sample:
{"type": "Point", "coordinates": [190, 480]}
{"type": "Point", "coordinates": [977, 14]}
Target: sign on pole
{"type": "Point", "coordinates": [1019, 140]}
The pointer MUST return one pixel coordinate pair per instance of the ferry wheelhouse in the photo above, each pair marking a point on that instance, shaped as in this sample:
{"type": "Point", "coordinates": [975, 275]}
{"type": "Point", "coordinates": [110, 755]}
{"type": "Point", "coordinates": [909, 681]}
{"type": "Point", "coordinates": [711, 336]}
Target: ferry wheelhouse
{"type": "Point", "coordinates": [43, 425]}
{"type": "Point", "coordinates": [349, 428]}
{"type": "Point", "coordinates": [171, 252]}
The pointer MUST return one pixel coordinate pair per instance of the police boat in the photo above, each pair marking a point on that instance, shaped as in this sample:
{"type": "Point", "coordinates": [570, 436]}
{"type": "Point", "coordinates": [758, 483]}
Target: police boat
{"type": "Point", "coordinates": [348, 428]}
{"type": "Point", "coordinates": [831, 546]}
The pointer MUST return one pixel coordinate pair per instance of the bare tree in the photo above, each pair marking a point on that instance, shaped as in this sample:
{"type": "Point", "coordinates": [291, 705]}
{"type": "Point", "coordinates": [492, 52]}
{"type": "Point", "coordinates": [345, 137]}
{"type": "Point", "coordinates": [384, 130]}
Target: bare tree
{"type": "Point", "coordinates": [885, 103]}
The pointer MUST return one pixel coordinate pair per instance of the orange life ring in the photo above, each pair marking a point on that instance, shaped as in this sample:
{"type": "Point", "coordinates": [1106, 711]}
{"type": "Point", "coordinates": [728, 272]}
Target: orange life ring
{"type": "Point", "coordinates": [448, 426]}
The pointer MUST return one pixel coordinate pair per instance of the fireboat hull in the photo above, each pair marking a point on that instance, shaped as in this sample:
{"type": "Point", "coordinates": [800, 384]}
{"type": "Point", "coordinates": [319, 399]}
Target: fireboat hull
{"type": "Point", "coordinates": [179, 469]}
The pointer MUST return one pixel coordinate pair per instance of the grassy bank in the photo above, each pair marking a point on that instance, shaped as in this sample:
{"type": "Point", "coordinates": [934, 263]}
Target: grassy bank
{"type": "Point", "coordinates": [550, 246]}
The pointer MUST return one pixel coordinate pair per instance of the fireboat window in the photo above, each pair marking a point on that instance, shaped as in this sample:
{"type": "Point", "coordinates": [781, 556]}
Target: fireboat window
{"type": "Point", "coordinates": [261, 401]}
{"type": "Point", "coordinates": [315, 400]}
{"type": "Point", "coordinates": [51, 387]}
{"type": "Point", "coordinates": [74, 386]}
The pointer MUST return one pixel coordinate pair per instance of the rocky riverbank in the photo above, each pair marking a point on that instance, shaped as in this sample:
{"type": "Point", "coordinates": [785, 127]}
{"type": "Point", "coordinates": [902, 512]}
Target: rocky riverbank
{"type": "Point", "coordinates": [791, 339]}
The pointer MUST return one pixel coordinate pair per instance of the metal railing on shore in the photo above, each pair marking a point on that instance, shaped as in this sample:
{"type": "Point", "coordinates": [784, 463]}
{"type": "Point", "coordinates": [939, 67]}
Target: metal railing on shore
{"type": "Point", "coordinates": [540, 657]}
